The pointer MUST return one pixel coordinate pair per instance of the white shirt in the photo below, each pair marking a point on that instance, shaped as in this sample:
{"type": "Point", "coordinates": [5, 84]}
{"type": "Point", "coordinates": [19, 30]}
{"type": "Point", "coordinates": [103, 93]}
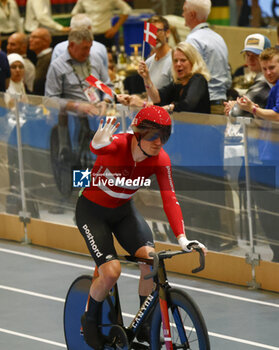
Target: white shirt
{"type": "Point", "coordinates": [101, 12]}
{"type": "Point", "coordinates": [160, 71]}
{"type": "Point", "coordinates": [214, 51]}
{"type": "Point", "coordinates": [16, 88]}
{"type": "Point", "coordinates": [29, 74]}
{"type": "Point", "coordinates": [9, 18]}
{"type": "Point", "coordinates": [44, 52]}
{"type": "Point", "coordinates": [38, 14]}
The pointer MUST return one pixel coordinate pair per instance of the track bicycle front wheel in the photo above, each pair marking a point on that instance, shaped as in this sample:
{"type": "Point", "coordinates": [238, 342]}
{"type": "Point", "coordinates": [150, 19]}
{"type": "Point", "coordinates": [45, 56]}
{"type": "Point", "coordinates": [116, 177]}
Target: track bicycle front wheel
{"type": "Point", "coordinates": [188, 329]}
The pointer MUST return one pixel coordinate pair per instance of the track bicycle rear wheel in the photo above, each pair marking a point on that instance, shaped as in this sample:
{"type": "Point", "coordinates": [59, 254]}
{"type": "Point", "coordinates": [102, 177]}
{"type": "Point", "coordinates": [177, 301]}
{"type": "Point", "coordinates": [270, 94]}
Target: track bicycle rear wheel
{"type": "Point", "coordinates": [188, 329]}
{"type": "Point", "coordinates": [74, 307]}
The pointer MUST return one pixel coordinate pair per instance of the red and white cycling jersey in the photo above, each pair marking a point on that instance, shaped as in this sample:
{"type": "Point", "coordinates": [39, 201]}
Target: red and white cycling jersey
{"type": "Point", "coordinates": [116, 177]}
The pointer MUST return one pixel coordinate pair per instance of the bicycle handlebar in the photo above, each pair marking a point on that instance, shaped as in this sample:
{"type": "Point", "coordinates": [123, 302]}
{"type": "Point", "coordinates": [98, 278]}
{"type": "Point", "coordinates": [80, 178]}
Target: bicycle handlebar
{"type": "Point", "coordinates": [169, 254]}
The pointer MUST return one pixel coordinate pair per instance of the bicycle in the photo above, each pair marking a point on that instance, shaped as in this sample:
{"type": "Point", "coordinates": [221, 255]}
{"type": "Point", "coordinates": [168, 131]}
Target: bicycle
{"type": "Point", "coordinates": [175, 319]}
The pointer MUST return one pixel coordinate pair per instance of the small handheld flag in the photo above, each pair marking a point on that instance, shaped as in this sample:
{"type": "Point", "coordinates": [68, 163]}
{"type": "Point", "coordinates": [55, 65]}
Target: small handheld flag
{"type": "Point", "coordinates": [99, 85]}
{"type": "Point", "coordinates": [149, 35]}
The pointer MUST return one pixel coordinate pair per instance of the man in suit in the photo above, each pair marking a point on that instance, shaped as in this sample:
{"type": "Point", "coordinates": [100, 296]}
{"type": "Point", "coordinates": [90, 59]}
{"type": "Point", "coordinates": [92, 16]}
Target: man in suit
{"type": "Point", "coordinates": [39, 42]}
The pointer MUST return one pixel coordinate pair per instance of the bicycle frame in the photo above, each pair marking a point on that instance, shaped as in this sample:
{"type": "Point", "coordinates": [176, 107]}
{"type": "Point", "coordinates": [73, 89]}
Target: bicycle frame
{"type": "Point", "coordinates": [159, 294]}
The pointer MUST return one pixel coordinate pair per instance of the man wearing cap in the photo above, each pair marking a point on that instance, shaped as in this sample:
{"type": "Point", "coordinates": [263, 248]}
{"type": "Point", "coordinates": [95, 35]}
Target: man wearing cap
{"type": "Point", "coordinates": [269, 60]}
{"type": "Point", "coordinates": [267, 201]}
{"type": "Point", "coordinates": [258, 92]}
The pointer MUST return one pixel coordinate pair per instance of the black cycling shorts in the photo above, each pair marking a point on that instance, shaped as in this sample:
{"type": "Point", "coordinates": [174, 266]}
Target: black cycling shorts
{"type": "Point", "coordinates": [97, 223]}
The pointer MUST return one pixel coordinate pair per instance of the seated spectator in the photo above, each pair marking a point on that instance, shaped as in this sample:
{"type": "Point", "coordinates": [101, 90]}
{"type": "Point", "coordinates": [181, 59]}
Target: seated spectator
{"type": "Point", "coordinates": [80, 20]}
{"type": "Point", "coordinates": [39, 42]}
{"type": "Point", "coordinates": [258, 92]}
{"type": "Point", "coordinates": [38, 14]}
{"type": "Point", "coordinates": [9, 19]}
{"type": "Point", "coordinates": [18, 43]}
{"type": "Point", "coordinates": [16, 86]}
{"type": "Point", "coordinates": [189, 90]}
{"type": "Point", "coordinates": [101, 12]}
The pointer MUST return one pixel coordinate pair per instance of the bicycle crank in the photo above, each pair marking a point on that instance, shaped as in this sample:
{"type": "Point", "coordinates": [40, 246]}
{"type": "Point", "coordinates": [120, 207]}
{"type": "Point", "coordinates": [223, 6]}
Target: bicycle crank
{"type": "Point", "coordinates": [118, 338]}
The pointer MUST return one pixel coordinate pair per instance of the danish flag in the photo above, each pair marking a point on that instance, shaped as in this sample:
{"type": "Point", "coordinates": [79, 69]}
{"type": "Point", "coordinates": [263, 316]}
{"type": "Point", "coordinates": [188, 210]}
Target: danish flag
{"type": "Point", "coordinates": [99, 85]}
{"type": "Point", "coordinates": [150, 33]}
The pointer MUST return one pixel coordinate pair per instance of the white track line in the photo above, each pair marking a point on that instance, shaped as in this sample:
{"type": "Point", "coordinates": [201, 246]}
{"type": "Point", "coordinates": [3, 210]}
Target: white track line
{"type": "Point", "coordinates": [39, 295]}
{"type": "Point", "coordinates": [42, 340]}
{"type": "Point", "coordinates": [207, 291]}
{"type": "Point", "coordinates": [33, 294]}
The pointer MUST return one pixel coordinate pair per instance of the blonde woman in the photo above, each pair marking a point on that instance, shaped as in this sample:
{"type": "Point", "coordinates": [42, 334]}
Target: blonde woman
{"type": "Point", "coordinates": [189, 89]}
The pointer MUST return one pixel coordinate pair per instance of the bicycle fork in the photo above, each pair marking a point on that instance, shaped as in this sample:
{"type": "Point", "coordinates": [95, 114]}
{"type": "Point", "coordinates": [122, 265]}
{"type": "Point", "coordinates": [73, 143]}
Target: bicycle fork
{"type": "Point", "coordinates": [165, 303]}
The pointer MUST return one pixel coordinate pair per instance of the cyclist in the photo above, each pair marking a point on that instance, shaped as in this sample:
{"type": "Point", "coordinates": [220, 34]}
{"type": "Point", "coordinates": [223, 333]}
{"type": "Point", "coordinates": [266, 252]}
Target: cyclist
{"type": "Point", "coordinates": [107, 206]}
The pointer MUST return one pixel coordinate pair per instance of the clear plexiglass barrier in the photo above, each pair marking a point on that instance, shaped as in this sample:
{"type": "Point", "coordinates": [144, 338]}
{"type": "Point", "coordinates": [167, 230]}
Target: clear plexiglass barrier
{"type": "Point", "coordinates": [224, 172]}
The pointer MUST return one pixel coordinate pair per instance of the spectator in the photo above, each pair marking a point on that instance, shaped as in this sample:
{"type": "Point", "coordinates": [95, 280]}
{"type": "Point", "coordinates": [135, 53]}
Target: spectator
{"type": "Point", "coordinates": [9, 19]}
{"type": "Point", "coordinates": [18, 43]}
{"type": "Point", "coordinates": [66, 79]}
{"type": "Point", "coordinates": [267, 200]}
{"type": "Point", "coordinates": [81, 19]}
{"type": "Point", "coordinates": [269, 60]}
{"type": "Point", "coordinates": [253, 46]}
{"type": "Point", "coordinates": [189, 89]}
{"type": "Point", "coordinates": [101, 12]}
{"type": "Point", "coordinates": [16, 86]}
{"type": "Point", "coordinates": [39, 42]}
{"type": "Point", "coordinates": [5, 72]}
{"type": "Point", "coordinates": [66, 75]}
{"type": "Point", "coordinates": [38, 14]}
{"type": "Point", "coordinates": [159, 64]}
{"type": "Point", "coordinates": [212, 48]}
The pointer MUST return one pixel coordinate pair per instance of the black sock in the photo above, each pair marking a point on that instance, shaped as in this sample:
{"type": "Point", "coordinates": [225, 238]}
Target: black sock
{"type": "Point", "coordinates": [94, 307]}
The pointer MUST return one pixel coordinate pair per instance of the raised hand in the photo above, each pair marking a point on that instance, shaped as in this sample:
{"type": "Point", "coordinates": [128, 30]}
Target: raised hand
{"type": "Point", "coordinates": [103, 136]}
